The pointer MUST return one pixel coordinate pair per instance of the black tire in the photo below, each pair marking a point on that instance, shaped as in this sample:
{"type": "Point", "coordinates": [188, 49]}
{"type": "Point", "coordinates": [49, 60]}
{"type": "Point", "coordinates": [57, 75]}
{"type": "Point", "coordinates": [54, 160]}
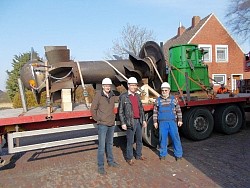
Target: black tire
{"type": "Point", "coordinates": [228, 119]}
{"type": "Point", "coordinates": [150, 135]}
{"type": "Point", "coordinates": [198, 123]}
{"type": "Point", "coordinates": [184, 128]}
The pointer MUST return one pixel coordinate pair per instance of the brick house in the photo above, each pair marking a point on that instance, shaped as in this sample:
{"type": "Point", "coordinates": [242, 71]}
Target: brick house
{"type": "Point", "coordinates": [225, 58]}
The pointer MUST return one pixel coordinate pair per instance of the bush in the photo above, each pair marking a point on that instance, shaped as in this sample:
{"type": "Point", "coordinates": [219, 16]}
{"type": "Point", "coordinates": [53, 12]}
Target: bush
{"type": "Point", "coordinates": [30, 98]}
{"type": "Point", "coordinates": [79, 98]}
{"type": "Point", "coordinates": [31, 101]}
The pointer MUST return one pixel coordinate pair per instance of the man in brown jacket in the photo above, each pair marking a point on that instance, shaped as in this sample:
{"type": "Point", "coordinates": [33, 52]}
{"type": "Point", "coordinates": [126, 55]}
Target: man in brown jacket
{"type": "Point", "coordinates": [102, 110]}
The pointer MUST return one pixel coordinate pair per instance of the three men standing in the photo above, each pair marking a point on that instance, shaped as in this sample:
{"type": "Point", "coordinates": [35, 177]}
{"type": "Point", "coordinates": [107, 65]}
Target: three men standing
{"type": "Point", "coordinates": [132, 119]}
{"type": "Point", "coordinates": [102, 110]}
{"type": "Point", "coordinates": [131, 113]}
{"type": "Point", "coordinates": [167, 112]}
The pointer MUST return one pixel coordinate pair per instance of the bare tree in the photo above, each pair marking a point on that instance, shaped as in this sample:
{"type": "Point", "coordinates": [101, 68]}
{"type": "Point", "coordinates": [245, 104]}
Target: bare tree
{"type": "Point", "coordinates": [132, 38]}
{"type": "Point", "coordinates": [238, 18]}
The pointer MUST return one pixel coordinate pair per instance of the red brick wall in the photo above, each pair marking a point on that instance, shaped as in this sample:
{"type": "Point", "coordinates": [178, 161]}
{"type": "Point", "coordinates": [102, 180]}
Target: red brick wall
{"type": "Point", "coordinates": [213, 33]}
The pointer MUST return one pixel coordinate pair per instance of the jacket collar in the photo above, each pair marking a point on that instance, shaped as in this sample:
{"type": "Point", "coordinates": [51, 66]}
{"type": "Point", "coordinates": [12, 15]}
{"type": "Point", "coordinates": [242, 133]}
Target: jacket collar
{"type": "Point", "coordinates": [130, 93]}
{"type": "Point", "coordinates": [111, 93]}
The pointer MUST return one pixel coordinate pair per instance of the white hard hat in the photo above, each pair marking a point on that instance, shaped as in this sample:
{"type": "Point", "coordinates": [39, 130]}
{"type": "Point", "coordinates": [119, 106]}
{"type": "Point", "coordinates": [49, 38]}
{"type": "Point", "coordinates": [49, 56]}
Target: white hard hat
{"type": "Point", "coordinates": [222, 83]}
{"type": "Point", "coordinates": [106, 81]}
{"type": "Point", "coordinates": [132, 80]}
{"type": "Point", "coordinates": [165, 85]}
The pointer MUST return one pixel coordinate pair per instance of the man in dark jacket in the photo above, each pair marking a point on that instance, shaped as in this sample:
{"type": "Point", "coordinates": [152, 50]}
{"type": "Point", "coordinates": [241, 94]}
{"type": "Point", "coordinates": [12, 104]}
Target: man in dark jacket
{"type": "Point", "coordinates": [102, 110]}
{"type": "Point", "coordinates": [132, 119]}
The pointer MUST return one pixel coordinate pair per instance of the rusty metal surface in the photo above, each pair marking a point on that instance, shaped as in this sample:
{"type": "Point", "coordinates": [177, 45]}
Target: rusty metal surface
{"type": "Point", "coordinates": [152, 50]}
{"type": "Point", "coordinates": [56, 54]}
{"type": "Point", "coordinates": [94, 71]}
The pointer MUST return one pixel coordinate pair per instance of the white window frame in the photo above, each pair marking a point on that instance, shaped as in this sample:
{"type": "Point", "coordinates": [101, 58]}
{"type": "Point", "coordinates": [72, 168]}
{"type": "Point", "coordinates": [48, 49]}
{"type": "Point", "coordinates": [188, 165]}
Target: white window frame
{"type": "Point", "coordinates": [224, 79]}
{"type": "Point", "coordinates": [226, 53]}
{"type": "Point", "coordinates": [209, 52]}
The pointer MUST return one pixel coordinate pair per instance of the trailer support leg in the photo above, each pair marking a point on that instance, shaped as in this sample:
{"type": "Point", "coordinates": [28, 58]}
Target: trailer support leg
{"type": "Point", "coordinates": [17, 139]}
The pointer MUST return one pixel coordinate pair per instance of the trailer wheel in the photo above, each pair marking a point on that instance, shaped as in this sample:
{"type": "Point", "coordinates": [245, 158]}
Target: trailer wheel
{"type": "Point", "coordinates": [228, 119]}
{"type": "Point", "coordinates": [184, 128]}
{"type": "Point", "coordinates": [198, 123]}
{"type": "Point", "coordinates": [150, 134]}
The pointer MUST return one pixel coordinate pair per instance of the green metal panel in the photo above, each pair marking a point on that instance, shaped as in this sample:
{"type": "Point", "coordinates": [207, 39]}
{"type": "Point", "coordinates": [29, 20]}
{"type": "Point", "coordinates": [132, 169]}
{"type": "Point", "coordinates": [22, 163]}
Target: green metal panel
{"type": "Point", "coordinates": [187, 58]}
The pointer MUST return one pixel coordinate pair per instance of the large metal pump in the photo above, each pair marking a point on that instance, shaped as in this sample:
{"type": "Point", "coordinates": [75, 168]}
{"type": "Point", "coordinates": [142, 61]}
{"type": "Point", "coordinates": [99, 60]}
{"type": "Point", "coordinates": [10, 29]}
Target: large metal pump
{"type": "Point", "coordinates": [65, 73]}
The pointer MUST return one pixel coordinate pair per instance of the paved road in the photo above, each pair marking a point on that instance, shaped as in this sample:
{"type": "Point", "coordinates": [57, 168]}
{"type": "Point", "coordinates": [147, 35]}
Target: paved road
{"type": "Point", "coordinates": [220, 161]}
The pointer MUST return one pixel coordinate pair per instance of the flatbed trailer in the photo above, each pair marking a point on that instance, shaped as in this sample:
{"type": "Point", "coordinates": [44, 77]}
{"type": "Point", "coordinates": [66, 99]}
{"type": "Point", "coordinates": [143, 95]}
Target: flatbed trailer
{"type": "Point", "coordinates": [200, 117]}
{"type": "Point", "coordinates": [186, 73]}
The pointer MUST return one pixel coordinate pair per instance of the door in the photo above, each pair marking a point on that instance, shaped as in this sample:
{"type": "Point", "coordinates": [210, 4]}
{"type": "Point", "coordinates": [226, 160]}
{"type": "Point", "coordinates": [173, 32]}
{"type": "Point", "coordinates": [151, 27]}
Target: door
{"type": "Point", "coordinates": [235, 77]}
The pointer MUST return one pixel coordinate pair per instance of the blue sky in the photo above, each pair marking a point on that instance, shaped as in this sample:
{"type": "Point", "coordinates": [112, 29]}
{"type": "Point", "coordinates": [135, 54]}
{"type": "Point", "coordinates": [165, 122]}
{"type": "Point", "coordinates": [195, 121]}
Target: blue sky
{"type": "Point", "coordinates": [89, 27]}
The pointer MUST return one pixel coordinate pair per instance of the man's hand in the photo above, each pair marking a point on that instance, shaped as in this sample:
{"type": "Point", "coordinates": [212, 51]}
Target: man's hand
{"type": "Point", "coordinates": [156, 125]}
{"type": "Point", "coordinates": [180, 123]}
{"type": "Point", "coordinates": [124, 127]}
{"type": "Point", "coordinates": [144, 124]}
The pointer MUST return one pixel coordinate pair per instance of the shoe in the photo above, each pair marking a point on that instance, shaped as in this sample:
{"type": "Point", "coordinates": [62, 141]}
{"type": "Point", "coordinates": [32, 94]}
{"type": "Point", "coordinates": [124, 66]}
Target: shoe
{"type": "Point", "coordinates": [130, 162]}
{"type": "Point", "coordinates": [178, 158]}
{"type": "Point", "coordinates": [141, 158]}
{"type": "Point", "coordinates": [2, 162]}
{"type": "Point", "coordinates": [102, 171]}
{"type": "Point", "coordinates": [162, 158]}
{"type": "Point", "coordinates": [113, 164]}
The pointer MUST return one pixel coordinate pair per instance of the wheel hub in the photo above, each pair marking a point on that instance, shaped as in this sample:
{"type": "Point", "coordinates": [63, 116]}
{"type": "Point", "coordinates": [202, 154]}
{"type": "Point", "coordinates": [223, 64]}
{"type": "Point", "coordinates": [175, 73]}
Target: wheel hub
{"type": "Point", "coordinates": [200, 124]}
{"type": "Point", "coordinates": [231, 119]}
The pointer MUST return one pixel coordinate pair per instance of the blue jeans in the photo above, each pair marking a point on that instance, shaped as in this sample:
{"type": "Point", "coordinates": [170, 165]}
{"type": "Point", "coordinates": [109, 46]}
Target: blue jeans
{"type": "Point", "coordinates": [105, 142]}
{"type": "Point", "coordinates": [165, 128]}
{"type": "Point", "coordinates": [137, 133]}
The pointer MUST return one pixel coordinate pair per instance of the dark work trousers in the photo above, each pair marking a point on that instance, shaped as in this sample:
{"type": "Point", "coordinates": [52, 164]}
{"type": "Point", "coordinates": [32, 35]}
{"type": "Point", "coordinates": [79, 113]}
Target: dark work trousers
{"type": "Point", "coordinates": [136, 132]}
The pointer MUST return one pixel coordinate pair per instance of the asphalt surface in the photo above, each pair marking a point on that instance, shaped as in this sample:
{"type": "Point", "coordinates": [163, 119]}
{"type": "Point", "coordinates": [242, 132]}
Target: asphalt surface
{"type": "Point", "coordinates": [220, 161]}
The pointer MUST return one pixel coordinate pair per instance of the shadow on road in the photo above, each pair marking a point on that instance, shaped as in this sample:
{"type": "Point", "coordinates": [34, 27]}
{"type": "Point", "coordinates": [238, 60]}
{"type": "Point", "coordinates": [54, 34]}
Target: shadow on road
{"type": "Point", "coordinates": [12, 162]}
{"type": "Point", "coordinates": [65, 150]}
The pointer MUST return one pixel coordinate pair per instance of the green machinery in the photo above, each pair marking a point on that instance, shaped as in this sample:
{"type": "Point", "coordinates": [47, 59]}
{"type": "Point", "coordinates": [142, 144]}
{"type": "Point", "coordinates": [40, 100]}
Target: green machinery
{"type": "Point", "coordinates": [188, 72]}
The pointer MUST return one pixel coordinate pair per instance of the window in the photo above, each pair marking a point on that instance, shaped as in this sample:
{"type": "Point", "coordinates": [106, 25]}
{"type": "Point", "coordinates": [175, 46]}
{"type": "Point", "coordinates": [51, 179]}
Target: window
{"type": "Point", "coordinates": [221, 53]}
{"type": "Point", "coordinates": [208, 56]}
{"type": "Point", "coordinates": [218, 78]}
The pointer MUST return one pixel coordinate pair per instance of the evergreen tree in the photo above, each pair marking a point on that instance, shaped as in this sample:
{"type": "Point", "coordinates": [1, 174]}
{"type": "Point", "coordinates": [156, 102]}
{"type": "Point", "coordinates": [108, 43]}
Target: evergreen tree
{"type": "Point", "coordinates": [13, 75]}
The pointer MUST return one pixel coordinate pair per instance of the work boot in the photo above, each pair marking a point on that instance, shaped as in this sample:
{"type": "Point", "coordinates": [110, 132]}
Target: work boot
{"type": "Point", "coordinates": [178, 158]}
{"type": "Point", "coordinates": [141, 158]}
{"type": "Point", "coordinates": [101, 171]}
{"type": "Point", "coordinates": [162, 158]}
{"type": "Point", "coordinates": [113, 164]}
{"type": "Point", "coordinates": [130, 162]}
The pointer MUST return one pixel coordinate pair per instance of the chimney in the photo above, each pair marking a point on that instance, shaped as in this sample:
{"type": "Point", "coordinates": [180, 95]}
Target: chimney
{"type": "Point", "coordinates": [195, 20]}
{"type": "Point", "coordinates": [181, 30]}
